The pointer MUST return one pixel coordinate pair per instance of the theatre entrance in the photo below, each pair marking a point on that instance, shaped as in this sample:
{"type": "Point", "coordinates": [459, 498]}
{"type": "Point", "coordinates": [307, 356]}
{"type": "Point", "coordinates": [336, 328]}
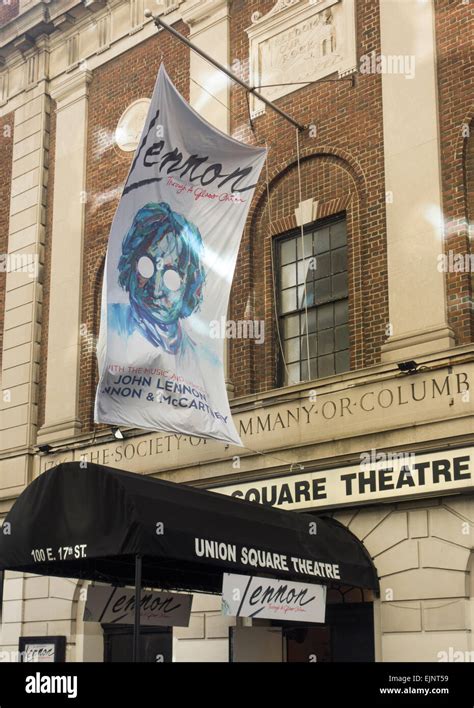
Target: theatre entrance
{"type": "Point", "coordinates": [156, 643]}
{"type": "Point", "coordinates": [347, 634]}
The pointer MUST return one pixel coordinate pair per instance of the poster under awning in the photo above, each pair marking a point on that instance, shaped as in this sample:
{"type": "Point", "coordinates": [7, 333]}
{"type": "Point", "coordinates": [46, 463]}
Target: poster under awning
{"type": "Point", "coordinates": [170, 262]}
{"type": "Point", "coordinates": [115, 605]}
{"type": "Point", "coordinates": [272, 598]}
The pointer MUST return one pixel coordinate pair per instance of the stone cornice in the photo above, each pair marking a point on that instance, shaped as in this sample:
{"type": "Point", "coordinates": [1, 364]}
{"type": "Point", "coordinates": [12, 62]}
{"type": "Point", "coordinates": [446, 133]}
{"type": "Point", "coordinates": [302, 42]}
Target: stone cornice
{"type": "Point", "coordinates": [72, 88]}
{"type": "Point", "coordinates": [32, 22]}
{"type": "Point", "coordinates": [195, 12]}
{"type": "Point", "coordinates": [45, 17]}
{"type": "Point", "coordinates": [78, 21]}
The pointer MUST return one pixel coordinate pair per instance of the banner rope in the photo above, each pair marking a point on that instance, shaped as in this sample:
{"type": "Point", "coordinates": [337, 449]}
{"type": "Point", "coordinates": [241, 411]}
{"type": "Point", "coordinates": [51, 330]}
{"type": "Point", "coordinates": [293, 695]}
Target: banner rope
{"type": "Point", "coordinates": [302, 251]}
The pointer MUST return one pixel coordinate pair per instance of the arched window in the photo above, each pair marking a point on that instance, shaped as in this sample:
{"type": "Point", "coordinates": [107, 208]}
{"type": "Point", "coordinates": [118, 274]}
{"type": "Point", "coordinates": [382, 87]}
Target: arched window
{"type": "Point", "coordinates": [313, 301]}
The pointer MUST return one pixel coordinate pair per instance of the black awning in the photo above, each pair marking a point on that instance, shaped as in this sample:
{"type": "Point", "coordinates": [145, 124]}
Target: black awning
{"type": "Point", "coordinates": [91, 522]}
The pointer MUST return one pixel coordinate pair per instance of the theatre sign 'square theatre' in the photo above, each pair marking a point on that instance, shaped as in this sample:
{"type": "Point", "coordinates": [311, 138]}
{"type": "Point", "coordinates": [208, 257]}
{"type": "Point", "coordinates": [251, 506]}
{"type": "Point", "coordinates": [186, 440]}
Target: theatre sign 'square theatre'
{"type": "Point", "coordinates": [237, 355]}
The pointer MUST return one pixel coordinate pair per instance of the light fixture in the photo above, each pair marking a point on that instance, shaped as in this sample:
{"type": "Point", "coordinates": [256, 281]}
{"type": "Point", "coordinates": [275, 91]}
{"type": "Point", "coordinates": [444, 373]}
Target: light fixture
{"type": "Point", "coordinates": [44, 449]}
{"type": "Point", "coordinates": [118, 435]}
{"type": "Point", "coordinates": [408, 367]}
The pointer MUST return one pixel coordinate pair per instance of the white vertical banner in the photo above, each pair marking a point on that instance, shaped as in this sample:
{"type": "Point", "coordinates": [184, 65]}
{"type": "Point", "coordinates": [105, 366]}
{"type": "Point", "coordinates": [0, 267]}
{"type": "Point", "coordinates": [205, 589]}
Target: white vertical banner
{"type": "Point", "coordinates": [170, 262]}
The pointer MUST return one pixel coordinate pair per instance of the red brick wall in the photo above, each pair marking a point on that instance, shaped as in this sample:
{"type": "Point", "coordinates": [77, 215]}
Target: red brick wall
{"type": "Point", "coordinates": [6, 154]}
{"type": "Point", "coordinates": [342, 164]}
{"type": "Point", "coordinates": [8, 10]}
{"type": "Point", "coordinates": [455, 90]}
{"type": "Point", "coordinates": [114, 86]}
{"type": "Point", "coordinates": [50, 162]}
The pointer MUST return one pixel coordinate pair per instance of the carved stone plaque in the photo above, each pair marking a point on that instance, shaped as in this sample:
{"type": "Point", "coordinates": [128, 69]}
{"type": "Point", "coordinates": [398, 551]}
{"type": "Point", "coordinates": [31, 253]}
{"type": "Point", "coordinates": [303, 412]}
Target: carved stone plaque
{"type": "Point", "coordinates": [301, 41]}
{"type": "Point", "coordinates": [130, 125]}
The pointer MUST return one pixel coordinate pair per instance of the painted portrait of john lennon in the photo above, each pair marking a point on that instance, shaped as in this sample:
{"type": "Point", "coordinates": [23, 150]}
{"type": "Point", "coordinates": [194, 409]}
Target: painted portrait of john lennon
{"type": "Point", "coordinates": [161, 270]}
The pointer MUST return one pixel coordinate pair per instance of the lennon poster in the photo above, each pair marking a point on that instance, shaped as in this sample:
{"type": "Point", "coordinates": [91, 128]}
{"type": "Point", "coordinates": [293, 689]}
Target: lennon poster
{"type": "Point", "coordinates": [170, 262]}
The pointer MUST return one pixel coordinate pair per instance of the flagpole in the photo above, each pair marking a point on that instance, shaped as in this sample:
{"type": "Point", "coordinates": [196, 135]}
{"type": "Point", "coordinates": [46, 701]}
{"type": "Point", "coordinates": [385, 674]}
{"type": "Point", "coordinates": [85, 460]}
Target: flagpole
{"type": "Point", "coordinates": [159, 23]}
{"type": "Point", "coordinates": [138, 595]}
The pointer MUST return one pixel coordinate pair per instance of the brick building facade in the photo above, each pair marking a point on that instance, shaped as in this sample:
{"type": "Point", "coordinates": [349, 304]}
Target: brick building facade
{"type": "Point", "coordinates": [388, 153]}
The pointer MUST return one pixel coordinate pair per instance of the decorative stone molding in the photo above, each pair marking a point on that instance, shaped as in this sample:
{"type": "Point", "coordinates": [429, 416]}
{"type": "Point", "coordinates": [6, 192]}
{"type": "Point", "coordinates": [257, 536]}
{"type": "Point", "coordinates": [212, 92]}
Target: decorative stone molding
{"type": "Point", "coordinates": [198, 11]}
{"type": "Point", "coordinates": [32, 70]}
{"type": "Point", "coordinates": [54, 432]}
{"type": "Point", "coordinates": [3, 87]}
{"type": "Point", "coordinates": [306, 212]}
{"type": "Point", "coordinates": [37, 62]}
{"type": "Point", "coordinates": [71, 89]}
{"type": "Point", "coordinates": [64, 22]}
{"type": "Point", "coordinates": [302, 42]}
{"type": "Point", "coordinates": [130, 125]}
{"type": "Point", "coordinates": [171, 5]}
{"type": "Point", "coordinates": [94, 5]}
{"type": "Point", "coordinates": [24, 43]}
{"type": "Point", "coordinates": [32, 20]}
{"type": "Point", "coordinates": [137, 15]}
{"type": "Point", "coordinates": [103, 32]}
{"type": "Point", "coordinates": [72, 44]}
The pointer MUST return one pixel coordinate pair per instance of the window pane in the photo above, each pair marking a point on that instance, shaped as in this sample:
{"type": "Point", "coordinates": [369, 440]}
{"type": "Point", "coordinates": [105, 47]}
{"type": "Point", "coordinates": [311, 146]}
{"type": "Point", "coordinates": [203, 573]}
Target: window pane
{"type": "Point", "coordinates": [293, 375]}
{"type": "Point", "coordinates": [304, 370]}
{"type": "Point", "coordinates": [342, 337]}
{"type": "Point", "coordinates": [308, 245]}
{"type": "Point", "coordinates": [325, 316]}
{"type": "Point", "coordinates": [288, 276]}
{"type": "Point", "coordinates": [341, 312]}
{"type": "Point", "coordinates": [288, 300]}
{"type": "Point", "coordinates": [326, 341]}
{"type": "Point", "coordinates": [342, 362]}
{"type": "Point", "coordinates": [323, 266]}
{"type": "Point", "coordinates": [339, 260]}
{"type": "Point", "coordinates": [311, 342]}
{"type": "Point", "coordinates": [338, 234]}
{"type": "Point", "coordinates": [291, 349]}
{"type": "Point", "coordinates": [287, 251]}
{"type": "Point", "coordinates": [313, 345]}
{"type": "Point", "coordinates": [291, 326]}
{"type": "Point", "coordinates": [311, 321]}
{"type": "Point", "coordinates": [306, 295]}
{"type": "Point", "coordinates": [326, 365]}
{"type": "Point", "coordinates": [339, 285]}
{"type": "Point", "coordinates": [321, 240]}
{"type": "Point", "coordinates": [306, 270]}
{"type": "Point", "coordinates": [323, 289]}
